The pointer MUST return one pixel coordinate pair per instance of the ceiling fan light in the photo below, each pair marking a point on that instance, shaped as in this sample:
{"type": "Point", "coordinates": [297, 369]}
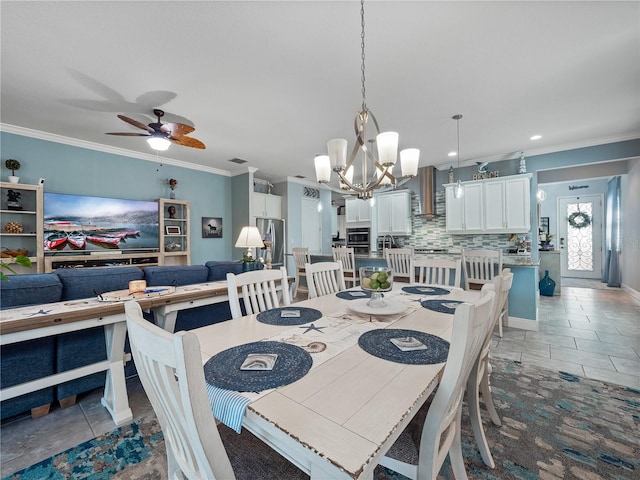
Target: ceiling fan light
{"type": "Point", "coordinates": [387, 143]}
{"type": "Point", "coordinates": [158, 143]}
{"type": "Point", "coordinates": [323, 168]}
{"type": "Point", "coordinates": [409, 158]}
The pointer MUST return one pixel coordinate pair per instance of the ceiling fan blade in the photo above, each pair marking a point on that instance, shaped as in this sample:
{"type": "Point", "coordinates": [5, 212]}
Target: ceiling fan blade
{"type": "Point", "coordinates": [129, 134]}
{"type": "Point", "coordinates": [136, 123]}
{"type": "Point", "coordinates": [177, 129]}
{"type": "Point", "coordinates": [188, 142]}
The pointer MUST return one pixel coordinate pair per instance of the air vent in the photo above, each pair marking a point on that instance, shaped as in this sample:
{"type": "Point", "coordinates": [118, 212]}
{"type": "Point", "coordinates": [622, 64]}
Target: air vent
{"type": "Point", "coordinates": [300, 176]}
{"type": "Point", "coordinates": [239, 161]}
{"type": "Point", "coordinates": [311, 192]}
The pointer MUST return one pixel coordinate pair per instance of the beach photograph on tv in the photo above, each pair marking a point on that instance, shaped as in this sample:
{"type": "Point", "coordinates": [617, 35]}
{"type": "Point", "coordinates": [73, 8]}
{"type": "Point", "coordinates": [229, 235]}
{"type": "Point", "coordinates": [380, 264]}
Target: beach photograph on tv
{"type": "Point", "coordinates": [78, 223]}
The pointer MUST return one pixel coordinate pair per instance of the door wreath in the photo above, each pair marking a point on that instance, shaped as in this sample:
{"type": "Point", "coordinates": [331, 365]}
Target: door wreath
{"type": "Point", "coordinates": [579, 219]}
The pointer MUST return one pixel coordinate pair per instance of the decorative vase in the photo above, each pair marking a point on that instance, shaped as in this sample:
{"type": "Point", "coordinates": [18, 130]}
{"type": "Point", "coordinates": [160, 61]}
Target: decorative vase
{"type": "Point", "coordinates": [14, 179]}
{"type": "Point", "coordinates": [547, 285]}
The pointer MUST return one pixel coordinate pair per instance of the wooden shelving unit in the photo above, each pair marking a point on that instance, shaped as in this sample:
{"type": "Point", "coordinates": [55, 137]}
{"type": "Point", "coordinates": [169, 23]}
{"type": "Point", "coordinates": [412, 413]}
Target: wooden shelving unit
{"type": "Point", "coordinates": [175, 233]}
{"type": "Point", "coordinates": [30, 217]}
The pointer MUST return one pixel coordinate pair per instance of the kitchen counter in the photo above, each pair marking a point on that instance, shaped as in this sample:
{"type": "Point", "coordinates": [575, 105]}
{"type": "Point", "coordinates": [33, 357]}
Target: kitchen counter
{"type": "Point", "coordinates": [508, 260]}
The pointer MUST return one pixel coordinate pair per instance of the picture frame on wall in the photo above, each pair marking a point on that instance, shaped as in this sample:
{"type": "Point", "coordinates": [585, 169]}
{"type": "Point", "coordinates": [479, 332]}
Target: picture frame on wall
{"type": "Point", "coordinates": [172, 230]}
{"type": "Point", "coordinates": [211, 227]}
{"type": "Point", "coordinates": [544, 225]}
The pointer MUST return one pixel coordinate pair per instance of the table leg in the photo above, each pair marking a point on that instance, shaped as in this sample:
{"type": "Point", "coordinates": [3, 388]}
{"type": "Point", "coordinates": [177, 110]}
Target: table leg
{"type": "Point", "coordinates": [165, 319]}
{"type": "Point", "coordinates": [115, 398]}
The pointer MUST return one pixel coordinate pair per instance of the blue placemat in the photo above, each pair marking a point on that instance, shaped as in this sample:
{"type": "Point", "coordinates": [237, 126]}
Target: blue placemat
{"type": "Point", "coordinates": [275, 316]}
{"type": "Point", "coordinates": [442, 306]}
{"type": "Point", "coordinates": [353, 294]}
{"type": "Point", "coordinates": [223, 370]}
{"type": "Point", "coordinates": [425, 290]}
{"type": "Point", "coordinates": [378, 343]}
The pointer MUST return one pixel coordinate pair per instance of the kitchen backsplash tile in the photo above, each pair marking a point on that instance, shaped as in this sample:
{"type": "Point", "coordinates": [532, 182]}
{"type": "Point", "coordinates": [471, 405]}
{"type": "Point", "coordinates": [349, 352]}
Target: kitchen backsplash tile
{"type": "Point", "coordinates": [432, 232]}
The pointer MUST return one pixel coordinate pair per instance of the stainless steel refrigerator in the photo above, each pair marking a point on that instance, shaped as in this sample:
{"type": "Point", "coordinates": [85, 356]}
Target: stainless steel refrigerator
{"type": "Point", "coordinates": [275, 227]}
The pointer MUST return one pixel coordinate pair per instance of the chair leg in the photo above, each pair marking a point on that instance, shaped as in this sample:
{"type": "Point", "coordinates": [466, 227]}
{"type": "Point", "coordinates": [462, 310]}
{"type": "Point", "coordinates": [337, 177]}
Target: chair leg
{"type": "Point", "coordinates": [455, 452]}
{"type": "Point", "coordinates": [473, 403]}
{"type": "Point", "coordinates": [485, 389]}
{"type": "Point", "coordinates": [500, 324]}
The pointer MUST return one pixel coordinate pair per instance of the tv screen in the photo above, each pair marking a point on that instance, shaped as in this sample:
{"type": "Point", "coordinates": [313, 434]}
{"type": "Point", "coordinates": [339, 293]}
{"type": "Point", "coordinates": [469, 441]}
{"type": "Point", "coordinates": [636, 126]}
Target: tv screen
{"type": "Point", "coordinates": [77, 224]}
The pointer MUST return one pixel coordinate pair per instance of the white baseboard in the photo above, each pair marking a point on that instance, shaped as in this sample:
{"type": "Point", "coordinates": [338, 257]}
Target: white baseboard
{"type": "Point", "coordinates": [634, 293]}
{"type": "Point", "coordinates": [522, 323]}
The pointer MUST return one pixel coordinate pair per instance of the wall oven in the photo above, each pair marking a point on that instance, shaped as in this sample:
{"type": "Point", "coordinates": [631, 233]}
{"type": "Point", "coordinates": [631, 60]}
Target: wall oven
{"type": "Point", "coordinates": [358, 238]}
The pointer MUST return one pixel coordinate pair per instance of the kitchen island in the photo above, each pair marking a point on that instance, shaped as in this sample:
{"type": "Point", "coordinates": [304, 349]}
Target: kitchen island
{"type": "Point", "coordinates": [523, 297]}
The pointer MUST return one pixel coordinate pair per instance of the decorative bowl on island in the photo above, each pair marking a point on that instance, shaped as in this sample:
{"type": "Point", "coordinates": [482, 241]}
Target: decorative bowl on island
{"type": "Point", "coordinates": [376, 280]}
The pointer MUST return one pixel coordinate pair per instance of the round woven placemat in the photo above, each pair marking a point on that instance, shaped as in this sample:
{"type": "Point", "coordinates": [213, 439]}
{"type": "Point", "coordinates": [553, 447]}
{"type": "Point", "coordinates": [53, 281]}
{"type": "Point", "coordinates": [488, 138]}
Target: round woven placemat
{"type": "Point", "coordinates": [425, 290]}
{"type": "Point", "coordinates": [274, 316]}
{"type": "Point", "coordinates": [353, 294]}
{"type": "Point", "coordinates": [442, 306]}
{"type": "Point", "coordinates": [378, 343]}
{"type": "Point", "coordinates": [223, 370]}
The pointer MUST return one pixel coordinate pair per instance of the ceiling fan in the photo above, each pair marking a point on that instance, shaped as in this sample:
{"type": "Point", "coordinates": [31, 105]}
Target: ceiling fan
{"type": "Point", "coordinates": [161, 135]}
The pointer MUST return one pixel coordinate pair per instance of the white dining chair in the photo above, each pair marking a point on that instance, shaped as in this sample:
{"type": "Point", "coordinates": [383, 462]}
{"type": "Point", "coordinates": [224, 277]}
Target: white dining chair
{"type": "Point", "coordinates": [170, 369]}
{"type": "Point", "coordinates": [260, 290]}
{"type": "Point", "coordinates": [347, 256]}
{"type": "Point", "coordinates": [438, 434]}
{"type": "Point", "coordinates": [478, 384]}
{"type": "Point", "coordinates": [480, 266]}
{"type": "Point", "coordinates": [324, 278]}
{"type": "Point", "coordinates": [400, 261]}
{"type": "Point", "coordinates": [301, 257]}
{"type": "Point", "coordinates": [438, 271]}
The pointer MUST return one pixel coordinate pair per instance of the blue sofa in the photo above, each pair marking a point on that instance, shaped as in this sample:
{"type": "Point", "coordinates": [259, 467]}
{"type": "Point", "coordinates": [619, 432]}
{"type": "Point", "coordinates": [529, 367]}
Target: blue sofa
{"type": "Point", "coordinates": [37, 358]}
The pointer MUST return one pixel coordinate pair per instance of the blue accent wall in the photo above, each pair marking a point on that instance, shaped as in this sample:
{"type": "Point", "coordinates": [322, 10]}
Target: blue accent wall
{"type": "Point", "coordinates": [82, 171]}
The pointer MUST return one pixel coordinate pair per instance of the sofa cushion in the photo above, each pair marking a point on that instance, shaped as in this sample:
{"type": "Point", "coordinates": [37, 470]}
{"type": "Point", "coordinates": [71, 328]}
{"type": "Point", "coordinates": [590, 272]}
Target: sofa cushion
{"type": "Point", "coordinates": [218, 269]}
{"type": "Point", "coordinates": [31, 289]}
{"type": "Point", "coordinates": [176, 275]}
{"type": "Point", "coordinates": [81, 283]}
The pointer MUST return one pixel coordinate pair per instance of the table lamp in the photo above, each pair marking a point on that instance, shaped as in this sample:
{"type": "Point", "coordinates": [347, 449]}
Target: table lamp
{"type": "Point", "coordinates": [249, 238]}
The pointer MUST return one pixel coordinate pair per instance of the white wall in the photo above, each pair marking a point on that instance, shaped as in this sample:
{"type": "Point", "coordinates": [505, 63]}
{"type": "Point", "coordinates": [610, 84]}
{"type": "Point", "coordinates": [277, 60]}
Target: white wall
{"type": "Point", "coordinates": [630, 257]}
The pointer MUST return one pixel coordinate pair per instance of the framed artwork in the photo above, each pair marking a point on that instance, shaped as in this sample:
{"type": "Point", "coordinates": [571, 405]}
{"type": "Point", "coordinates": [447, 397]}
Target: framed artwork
{"type": "Point", "coordinates": [544, 225]}
{"type": "Point", "coordinates": [172, 230]}
{"type": "Point", "coordinates": [211, 227]}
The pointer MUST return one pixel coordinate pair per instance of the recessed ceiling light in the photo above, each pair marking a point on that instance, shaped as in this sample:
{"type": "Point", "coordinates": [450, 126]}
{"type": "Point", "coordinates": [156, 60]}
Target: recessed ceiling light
{"type": "Point", "coordinates": [452, 154]}
{"type": "Point", "coordinates": [536, 137]}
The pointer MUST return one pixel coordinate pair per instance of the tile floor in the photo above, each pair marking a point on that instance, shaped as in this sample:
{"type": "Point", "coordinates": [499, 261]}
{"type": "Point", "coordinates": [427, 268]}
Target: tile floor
{"type": "Point", "coordinates": [589, 330]}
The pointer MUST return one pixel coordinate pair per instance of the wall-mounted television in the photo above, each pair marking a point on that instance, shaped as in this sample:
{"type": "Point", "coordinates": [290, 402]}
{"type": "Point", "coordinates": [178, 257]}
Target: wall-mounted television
{"type": "Point", "coordinates": [84, 224]}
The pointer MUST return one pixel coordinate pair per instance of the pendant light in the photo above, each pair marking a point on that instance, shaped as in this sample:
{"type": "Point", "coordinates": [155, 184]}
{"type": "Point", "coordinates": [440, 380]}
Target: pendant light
{"type": "Point", "coordinates": [458, 191]}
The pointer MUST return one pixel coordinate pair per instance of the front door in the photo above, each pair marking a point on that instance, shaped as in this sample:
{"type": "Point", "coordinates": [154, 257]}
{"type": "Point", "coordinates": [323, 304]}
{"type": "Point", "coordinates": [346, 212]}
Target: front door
{"type": "Point", "coordinates": [580, 236]}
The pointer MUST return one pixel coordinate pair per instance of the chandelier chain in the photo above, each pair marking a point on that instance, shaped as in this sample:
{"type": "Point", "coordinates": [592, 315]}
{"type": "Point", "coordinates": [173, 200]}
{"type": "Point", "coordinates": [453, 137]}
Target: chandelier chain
{"type": "Point", "coordinates": [362, 78]}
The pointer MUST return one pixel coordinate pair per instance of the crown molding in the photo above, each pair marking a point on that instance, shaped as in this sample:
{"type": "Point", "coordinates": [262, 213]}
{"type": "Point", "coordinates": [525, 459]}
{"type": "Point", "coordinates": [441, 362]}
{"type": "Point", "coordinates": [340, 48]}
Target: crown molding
{"type": "Point", "coordinates": [74, 142]}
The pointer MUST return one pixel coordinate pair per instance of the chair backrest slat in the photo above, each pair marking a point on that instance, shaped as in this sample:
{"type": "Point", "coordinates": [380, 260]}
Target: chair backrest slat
{"type": "Point", "coordinates": [437, 271]}
{"type": "Point", "coordinates": [401, 262]}
{"type": "Point", "coordinates": [260, 290]}
{"type": "Point", "coordinates": [481, 266]}
{"type": "Point", "coordinates": [324, 278]}
{"type": "Point", "coordinates": [347, 256]}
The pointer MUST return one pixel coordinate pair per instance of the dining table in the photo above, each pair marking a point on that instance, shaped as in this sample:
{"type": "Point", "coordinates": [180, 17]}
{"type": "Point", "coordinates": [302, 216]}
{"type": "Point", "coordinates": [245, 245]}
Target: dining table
{"type": "Point", "coordinates": [329, 382]}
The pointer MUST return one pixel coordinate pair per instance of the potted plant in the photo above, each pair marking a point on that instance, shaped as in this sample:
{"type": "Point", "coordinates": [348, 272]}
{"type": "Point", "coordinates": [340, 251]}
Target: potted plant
{"type": "Point", "coordinates": [13, 165]}
{"type": "Point", "coordinates": [20, 260]}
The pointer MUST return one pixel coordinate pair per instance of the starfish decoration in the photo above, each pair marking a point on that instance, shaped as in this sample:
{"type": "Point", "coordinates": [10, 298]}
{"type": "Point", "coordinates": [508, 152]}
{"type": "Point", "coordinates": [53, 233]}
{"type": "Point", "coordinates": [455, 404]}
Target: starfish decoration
{"type": "Point", "coordinates": [312, 327]}
{"type": "Point", "coordinates": [39, 312]}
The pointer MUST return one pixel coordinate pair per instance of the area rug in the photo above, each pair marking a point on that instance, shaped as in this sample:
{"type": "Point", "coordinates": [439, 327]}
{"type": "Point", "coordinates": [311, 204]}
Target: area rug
{"type": "Point", "coordinates": [555, 426]}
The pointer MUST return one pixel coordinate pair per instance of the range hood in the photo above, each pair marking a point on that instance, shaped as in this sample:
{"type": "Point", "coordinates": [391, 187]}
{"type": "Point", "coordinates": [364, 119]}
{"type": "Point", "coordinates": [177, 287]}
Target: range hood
{"type": "Point", "coordinates": [427, 191]}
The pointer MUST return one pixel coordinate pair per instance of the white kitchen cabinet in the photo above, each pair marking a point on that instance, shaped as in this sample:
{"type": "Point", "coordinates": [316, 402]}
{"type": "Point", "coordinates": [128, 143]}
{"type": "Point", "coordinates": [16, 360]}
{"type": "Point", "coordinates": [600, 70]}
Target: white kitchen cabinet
{"type": "Point", "coordinates": [357, 210]}
{"type": "Point", "coordinates": [267, 206]}
{"type": "Point", "coordinates": [394, 213]}
{"type": "Point", "coordinates": [334, 221]}
{"type": "Point", "coordinates": [464, 215]}
{"type": "Point", "coordinates": [498, 205]}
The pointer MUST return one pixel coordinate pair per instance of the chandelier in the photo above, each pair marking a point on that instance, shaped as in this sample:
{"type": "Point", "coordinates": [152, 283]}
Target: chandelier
{"type": "Point", "coordinates": [380, 171]}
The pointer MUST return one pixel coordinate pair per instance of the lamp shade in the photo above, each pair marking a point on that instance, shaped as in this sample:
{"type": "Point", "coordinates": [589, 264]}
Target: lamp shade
{"type": "Point", "coordinates": [337, 149]}
{"type": "Point", "coordinates": [249, 237]}
{"type": "Point", "coordinates": [158, 143]}
{"type": "Point", "coordinates": [323, 168]}
{"type": "Point", "coordinates": [386, 180]}
{"type": "Point", "coordinates": [409, 158]}
{"type": "Point", "coordinates": [387, 143]}
{"type": "Point", "coordinates": [349, 176]}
